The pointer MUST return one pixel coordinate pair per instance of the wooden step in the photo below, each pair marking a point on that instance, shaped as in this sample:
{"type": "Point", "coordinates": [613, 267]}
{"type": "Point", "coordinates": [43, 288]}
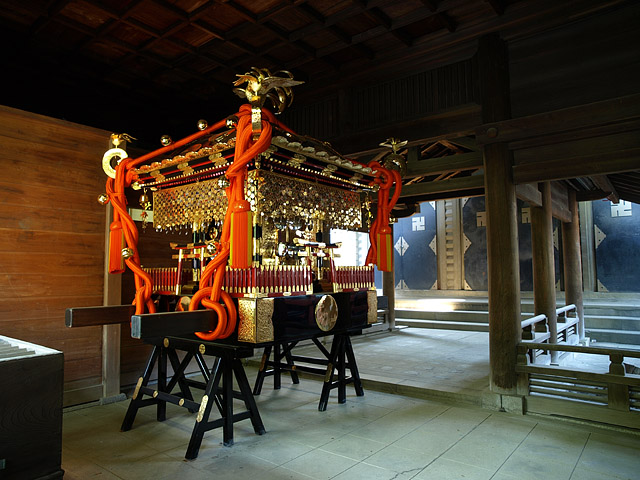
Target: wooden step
{"type": "Point", "coordinates": [443, 325]}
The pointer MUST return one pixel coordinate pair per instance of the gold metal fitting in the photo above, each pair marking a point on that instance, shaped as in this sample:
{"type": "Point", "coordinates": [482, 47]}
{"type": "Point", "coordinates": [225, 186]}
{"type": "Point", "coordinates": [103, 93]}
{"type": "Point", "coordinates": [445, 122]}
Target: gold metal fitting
{"type": "Point", "coordinates": [165, 140]}
{"type": "Point", "coordinates": [202, 124]}
{"type": "Point", "coordinates": [127, 252]}
{"type": "Point", "coordinates": [103, 199]}
{"type": "Point", "coordinates": [232, 121]}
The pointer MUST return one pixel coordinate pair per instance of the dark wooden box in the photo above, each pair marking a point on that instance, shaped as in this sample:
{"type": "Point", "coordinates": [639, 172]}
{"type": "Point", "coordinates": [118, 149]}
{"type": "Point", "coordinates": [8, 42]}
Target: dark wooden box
{"type": "Point", "coordinates": [31, 382]}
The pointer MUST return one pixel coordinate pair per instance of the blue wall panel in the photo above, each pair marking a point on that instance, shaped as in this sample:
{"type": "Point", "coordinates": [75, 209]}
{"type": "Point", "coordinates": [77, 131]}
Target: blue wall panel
{"type": "Point", "coordinates": [617, 255]}
{"type": "Point", "coordinates": [475, 258]}
{"type": "Point", "coordinates": [416, 266]}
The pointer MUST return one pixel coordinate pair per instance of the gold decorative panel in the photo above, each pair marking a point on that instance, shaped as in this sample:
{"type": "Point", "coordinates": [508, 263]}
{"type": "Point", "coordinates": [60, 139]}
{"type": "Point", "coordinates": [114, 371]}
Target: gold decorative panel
{"type": "Point", "coordinates": [372, 307]}
{"type": "Point", "coordinates": [255, 325]}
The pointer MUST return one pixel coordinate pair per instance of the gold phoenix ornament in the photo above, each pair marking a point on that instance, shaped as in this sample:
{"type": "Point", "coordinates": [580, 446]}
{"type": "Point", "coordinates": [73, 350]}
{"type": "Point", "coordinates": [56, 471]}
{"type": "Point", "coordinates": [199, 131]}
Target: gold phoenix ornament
{"type": "Point", "coordinates": [262, 85]}
{"type": "Point", "coordinates": [394, 160]}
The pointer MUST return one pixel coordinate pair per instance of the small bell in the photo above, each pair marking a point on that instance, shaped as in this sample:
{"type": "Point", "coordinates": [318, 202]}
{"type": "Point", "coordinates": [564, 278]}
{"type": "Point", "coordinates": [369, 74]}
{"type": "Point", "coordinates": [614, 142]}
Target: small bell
{"type": "Point", "coordinates": [103, 199]}
{"type": "Point", "coordinates": [202, 124]}
{"type": "Point", "coordinates": [145, 201]}
{"type": "Point", "coordinates": [165, 140]}
{"type": "Point", "coordinates": [127, 253]}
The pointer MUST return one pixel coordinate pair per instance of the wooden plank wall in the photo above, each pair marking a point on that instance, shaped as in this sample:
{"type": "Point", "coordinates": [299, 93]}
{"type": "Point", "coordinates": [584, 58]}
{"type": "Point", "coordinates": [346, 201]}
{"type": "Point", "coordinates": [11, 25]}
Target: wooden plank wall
{"type": "Point", "coordinates": [52, 239]}
{"type": "Point", "coordinates": [154, 251]}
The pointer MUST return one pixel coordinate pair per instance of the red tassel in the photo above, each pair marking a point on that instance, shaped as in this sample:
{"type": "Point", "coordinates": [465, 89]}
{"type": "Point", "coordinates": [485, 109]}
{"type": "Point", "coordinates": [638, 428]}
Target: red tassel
{"type": "Point", "coordinates": [241, 251]}
{"type": "Point", "coordinates": [384, 250]}
{"type": "Point", "coordinates": [116, 241]}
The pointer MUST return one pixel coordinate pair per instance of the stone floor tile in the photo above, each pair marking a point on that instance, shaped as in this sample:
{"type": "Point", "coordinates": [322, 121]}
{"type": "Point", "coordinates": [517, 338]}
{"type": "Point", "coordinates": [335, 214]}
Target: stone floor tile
{"type": "Point", "coordinates": [370, 472]}
{"type": "Point", "coordinates": [320, 465]}
{"type": "Point", "coordinates": [444, 469]}
{"type": "Point", "coordinates": [526, 465]}
{"type": "Point", "coordinates": [401, 460]}
{"type": "Point", "coordinates": [353, 447]}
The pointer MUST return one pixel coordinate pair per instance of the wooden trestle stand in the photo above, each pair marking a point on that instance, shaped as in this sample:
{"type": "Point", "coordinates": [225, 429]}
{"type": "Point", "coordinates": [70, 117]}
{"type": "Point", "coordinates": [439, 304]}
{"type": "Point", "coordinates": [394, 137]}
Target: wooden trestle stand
{"type": "Point", "coordinates": [171, 332]}
{"type": "Point", "coordinates": [336, 362]}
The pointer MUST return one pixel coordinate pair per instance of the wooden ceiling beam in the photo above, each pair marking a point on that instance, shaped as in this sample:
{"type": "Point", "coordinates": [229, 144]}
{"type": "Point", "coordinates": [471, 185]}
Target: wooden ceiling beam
{"type": "Point", "coordinates": [456, 122]}
{"type": "Point", "coordinates": [619, 161]}
{"type": "Point", "coordinates": [445, 186]}
{"type": "Point", "coordinates": [528, 192]}
{"type": "Point", "coordinates": [430, 4]}
{"type": "Point", "coordinates": [446, 22]}
{"type": "Point", "coordinates": [603, 183]}
{"type": "Point", "coordinates": [595, 114]}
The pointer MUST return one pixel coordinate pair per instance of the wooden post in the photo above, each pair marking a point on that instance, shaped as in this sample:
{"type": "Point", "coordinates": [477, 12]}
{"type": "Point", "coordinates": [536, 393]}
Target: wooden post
{"type": "Point", "coordinates": [588, 249]}
{"type": "Point", "coordinates": [502, 225]}
{"type": "Point", "coordinates": [573, 263]}
{"type": "Point", "coordinates": [112, 292]}
{"type": "Point", "coordinates": [389, 289]}
{"type": "Point", "coordinates": [544, 284]}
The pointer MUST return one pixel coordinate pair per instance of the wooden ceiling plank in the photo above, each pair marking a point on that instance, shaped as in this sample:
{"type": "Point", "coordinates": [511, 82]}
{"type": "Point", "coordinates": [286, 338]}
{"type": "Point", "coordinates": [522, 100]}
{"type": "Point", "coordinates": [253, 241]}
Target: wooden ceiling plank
{"type": "Point", "coordinates": [52, 11]}
{"type": "Point", "coordinates": [579, 166]}
{"type": "Point", "coordinates": [590, 195]}
{"type": "Point", "coordinates": [275, 10]}
{"type": "Point", "coordinates": [497, 6]}
{"type": "Point", "coordinates": [416, 15]}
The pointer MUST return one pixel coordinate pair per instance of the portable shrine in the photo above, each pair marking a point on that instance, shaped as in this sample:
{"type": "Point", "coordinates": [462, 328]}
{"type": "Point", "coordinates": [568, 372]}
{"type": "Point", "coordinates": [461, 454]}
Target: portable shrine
{"type": "Point", "coordinates": [259, 200]}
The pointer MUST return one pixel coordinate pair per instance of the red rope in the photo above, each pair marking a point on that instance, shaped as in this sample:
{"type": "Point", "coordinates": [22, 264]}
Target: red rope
{"type": "Point", "coordinates": [385, 179]}
{"type": "Point", "coordinates": [245, 151]}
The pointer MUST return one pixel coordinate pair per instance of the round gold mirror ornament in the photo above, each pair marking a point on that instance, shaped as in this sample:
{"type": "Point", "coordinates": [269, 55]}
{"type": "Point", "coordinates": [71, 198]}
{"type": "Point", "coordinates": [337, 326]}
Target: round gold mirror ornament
{"type": "Point", "coordinates": [110, 156]}
{"type": "Point", "coordinates": [326, 313]}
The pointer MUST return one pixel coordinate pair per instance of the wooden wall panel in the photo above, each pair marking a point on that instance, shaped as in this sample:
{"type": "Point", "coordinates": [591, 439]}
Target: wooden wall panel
{"type": "Point", "coordinates": [154, 251]}
{"type": "Point", "coordinates": [52, 238]}
{"type": "Point", "coordinates": [590, 60]}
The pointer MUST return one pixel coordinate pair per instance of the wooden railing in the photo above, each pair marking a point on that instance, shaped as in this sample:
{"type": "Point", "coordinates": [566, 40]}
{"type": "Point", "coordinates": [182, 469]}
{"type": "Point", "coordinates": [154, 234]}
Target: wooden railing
{"type": "Point", "coordinates": [614, 389]}
{"type": "Point", "coordinates": [566, 326]}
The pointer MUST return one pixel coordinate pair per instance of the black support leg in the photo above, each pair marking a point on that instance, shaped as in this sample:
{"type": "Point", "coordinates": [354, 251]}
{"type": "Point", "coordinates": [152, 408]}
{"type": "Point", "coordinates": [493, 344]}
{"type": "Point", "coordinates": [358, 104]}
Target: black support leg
{"type": "Point", "coordinates": [262, 371]}
{"type": "Point", "coordinates": [208, 400]}
{"type": "Point", "coordinates": [227, 402]}
{"type": "Point", "coordinates": [353, 367]}
{"type": "Point", "coordinates": [161, 414]}
{"type": "Point", "coordinates": [287, 354]}
{"type": "Point", "coordinates": [249, 401]}
{"type": "Point", "coordinates": [328, 378]}
{"type": "Point", "coordinates": [136, 400]}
